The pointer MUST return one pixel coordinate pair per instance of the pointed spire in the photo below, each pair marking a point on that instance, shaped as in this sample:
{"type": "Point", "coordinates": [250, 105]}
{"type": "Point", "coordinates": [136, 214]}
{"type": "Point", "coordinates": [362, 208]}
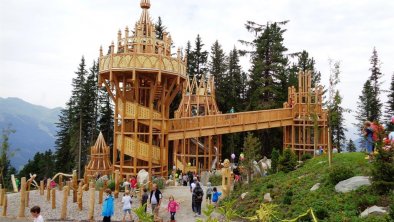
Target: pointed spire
{"type": "Point", "coordinates": [145, 4]}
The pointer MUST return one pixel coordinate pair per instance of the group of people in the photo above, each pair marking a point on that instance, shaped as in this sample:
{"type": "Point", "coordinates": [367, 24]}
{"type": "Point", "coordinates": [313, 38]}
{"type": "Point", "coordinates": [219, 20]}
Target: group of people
{"type": "Point", "coordinates": [212, 195]}
{"type": "Point", "coordinates": [374, 132]}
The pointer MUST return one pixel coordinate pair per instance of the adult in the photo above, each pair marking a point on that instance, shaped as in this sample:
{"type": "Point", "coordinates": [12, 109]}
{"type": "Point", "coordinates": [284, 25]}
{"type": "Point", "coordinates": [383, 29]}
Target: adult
{"type": "Point", "coordinates": [155, 199]}
{"type": "Point", "coordinates": [198, 195]}
{"type": "Point", "coordinates": [184, 180]}
{"type": "Point", "coordinates": [391, 137]}
{"type": "Point", "coordinates": [193, 184]}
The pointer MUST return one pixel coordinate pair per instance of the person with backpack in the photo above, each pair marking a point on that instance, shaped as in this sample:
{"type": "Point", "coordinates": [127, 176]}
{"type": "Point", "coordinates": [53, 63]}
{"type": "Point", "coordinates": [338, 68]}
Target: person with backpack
{"type": "Point", "coordinates": [108, 206]}
{"type": "Point", "coordinates": [209, 192]}
{"type": "Point", "coordinates": [197, 197]}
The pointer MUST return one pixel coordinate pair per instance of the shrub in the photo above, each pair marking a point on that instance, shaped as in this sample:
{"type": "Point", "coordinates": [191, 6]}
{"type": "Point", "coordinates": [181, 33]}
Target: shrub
{"type": "Point", "coordinates": [111, 185]}
{"type": "Point", "coordinates": [159, 181]}
{"type": "Point", "coordinates": [216, 180]}
{"type": "Point", "coordinates": [338, 174]}
{"type": "Point", "coordinates": [366, 200]}
{"type": "Point", "coordinates": [321, 212]}
{"type": "Point", "coordinates": [306, 156]}
{"type": "Point", "coordinates": [391, 212]}
{"type": "Point", "coordinates": [274, 160]}
{"type": "Point", "coordinates": [288, 197]}
{"type": "Point", "coordinates": [287, 161]}
{"type": "Point", "coordinates": [99, 184]}
{"type": "Point", "coordinates": [383, 171]}
{"type": "Point", "coordinates": [270, 186]}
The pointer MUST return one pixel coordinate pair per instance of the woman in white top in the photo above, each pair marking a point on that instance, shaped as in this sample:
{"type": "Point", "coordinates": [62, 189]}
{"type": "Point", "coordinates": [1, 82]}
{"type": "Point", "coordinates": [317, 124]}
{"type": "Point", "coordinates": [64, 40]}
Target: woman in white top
{"type": "Point", "coordinates": [126, 200]}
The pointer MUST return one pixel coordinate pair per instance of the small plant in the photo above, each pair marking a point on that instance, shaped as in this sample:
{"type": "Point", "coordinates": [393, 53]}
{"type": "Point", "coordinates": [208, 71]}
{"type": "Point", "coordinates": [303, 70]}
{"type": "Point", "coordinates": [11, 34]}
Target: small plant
{"type": "Point", "coordinates": [228, 211]}
{"type": "Point", "coordinates": [266, 212]}
{"type": "Point", "coordinates": [159, 181]}
{"type": "Point", "coordinates": [383, 170]}
{"type": "Point", "coordinates": [391, 211]}
{"type": "Point", "coordinates": [142, 215]}
{"type": "Point", "coordinates": [306, 156]}
{"type": "Point", "coordinates": [288, 197]}
{"type": "Point", "coordinates": [366, 200]}
{"type": "Point", "coordinates": [321, 213]}
{"type": "Point", "coordinates": [208, 211]}
{"type": "Point", "coordinates": [338, 174]}
{"type": "Point", "coordinates": [270, 186]}
{"type": "Point", "coordinates": [287, 161]}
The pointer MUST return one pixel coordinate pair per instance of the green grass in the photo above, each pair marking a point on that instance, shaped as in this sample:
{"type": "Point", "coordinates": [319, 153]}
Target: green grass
{"type": "Point", "coordinates": [326, 203]}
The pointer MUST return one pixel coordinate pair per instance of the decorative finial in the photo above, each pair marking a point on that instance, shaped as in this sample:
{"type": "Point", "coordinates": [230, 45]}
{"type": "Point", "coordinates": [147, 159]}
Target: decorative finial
{"type": "Point", "coordinates": [145, 4]}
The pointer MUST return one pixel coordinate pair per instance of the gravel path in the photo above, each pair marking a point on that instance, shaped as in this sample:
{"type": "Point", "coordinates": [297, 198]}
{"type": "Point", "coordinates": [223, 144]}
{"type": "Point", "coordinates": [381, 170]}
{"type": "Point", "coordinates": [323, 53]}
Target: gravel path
{"type": "Point", "coordinates": [181, 194]}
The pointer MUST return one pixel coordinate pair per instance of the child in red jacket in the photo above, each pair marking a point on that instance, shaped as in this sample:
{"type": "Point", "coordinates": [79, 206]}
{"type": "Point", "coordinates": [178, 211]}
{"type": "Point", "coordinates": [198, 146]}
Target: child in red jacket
{"type": "Point", "coordinates": [173, 207]}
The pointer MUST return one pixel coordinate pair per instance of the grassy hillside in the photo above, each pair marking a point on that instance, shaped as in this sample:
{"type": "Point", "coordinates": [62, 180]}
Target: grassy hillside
{"type": "Point", "coordinates": [291, 191]}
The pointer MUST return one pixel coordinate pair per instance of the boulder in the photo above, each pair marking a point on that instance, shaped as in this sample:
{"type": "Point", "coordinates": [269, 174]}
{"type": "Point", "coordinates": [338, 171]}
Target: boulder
{"type": "Point", "coordinates": [315, 187]}
{"type": "Point", "coordinates": [142, 176]}
{"type": "Point", "coordinates": [267, 198]}
{"type": "Point", "coordinates": [374, 210]}
{"type": "Point", "coordinates": [243, 195]}
{"type": "Point", "coordinates": [205, 177]}
{"type": "Point", "coordinates": [352, 184]}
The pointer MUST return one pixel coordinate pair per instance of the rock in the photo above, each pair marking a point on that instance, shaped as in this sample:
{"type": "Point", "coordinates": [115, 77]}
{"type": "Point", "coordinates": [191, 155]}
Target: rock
{"type": "Point", "coordinates": [374, 210]}
{"type": "Point", "coordinates": [335, 150]}
{"type": "Point", "coordinates": [243, 195]}
{"type": "Point", "coordinates": [315, 187]}
{"type": "Point", "coordinates": [267, 198]}
{"type": "Point", "coordinates": [352, 184]}
{"type": "Point", "coordinates": [204, 177]}
{"type": "Point", "coordinates": [320, 162]}
{"type": "Point", "coordinates": [142, 176]}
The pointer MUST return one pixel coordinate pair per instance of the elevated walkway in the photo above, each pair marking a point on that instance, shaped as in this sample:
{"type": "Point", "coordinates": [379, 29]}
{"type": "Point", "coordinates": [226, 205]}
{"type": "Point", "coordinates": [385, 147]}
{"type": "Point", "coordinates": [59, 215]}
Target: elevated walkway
{"type": "Point", "coordinates": [192, 127]}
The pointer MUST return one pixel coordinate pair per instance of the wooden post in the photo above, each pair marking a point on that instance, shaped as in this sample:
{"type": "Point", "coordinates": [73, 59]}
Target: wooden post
{"type": "Point", "coordinates": [91, 201]}
{"type": "Point", "coordinates": [14, 183]}
{"type": "Point", "coordinates": [101, 196]}
{"type": "Point", "coordinates": [116, 183]}
{"type": "Point", "coordinates": [53, 198]}
{"type": "Point", "coordinates": [41, 187]}
{"type": "Point", "coordinates": [48, 189]}
{"type": "Point", "coordinates": [2, 195]}
{"type": "Point", "coordinates": [74, 186]}
{"type": "Point", "coordinates": [63, 214]}
{"type": "Point", "coordinates": [60, 182]}
{"type": "Point", "coordinates": [4, 203]}
{"type": "Point", "coordinates": [69, 185]}
{"type": "Point", "coordinates": [80, 193]}
{"type": "Point", "coordinates": [23, 197]}
{"type": "Point", "coordinates": [27, 198]}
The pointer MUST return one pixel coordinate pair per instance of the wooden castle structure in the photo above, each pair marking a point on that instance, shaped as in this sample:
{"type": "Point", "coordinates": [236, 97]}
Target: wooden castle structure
{"type": "Point", "coordinates": [201, 153]}
{"type": "Point", "coordinates": [143, 77]}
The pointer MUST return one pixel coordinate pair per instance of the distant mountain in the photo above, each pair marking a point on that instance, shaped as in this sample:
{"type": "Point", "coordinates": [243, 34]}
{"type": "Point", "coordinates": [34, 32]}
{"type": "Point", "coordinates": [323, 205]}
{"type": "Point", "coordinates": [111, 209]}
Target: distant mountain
{"type": "Point", "coordinates": [34, 125]}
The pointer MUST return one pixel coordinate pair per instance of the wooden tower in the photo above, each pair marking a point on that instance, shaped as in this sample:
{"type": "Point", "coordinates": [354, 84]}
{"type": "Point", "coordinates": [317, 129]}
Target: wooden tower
{"type": "Point", "coordinates": [309, 130]}
{"type": "Point", "coordinates": [142, 78]}
{"type": "Point", "coordinates": [99, 159]}
{"type": "Point", "coordinates": [203, 153]}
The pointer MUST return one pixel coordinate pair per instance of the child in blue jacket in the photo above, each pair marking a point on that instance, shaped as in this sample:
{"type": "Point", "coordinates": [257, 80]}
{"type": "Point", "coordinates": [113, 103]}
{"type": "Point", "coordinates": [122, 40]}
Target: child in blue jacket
{"type": "Point", "coordinates": [108, 206]}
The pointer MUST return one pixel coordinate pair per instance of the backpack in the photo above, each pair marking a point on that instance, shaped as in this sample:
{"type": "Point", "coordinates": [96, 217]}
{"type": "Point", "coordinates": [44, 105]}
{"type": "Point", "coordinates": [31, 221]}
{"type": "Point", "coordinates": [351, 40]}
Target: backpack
{"type": "Point", "coordinates": [376, 130]}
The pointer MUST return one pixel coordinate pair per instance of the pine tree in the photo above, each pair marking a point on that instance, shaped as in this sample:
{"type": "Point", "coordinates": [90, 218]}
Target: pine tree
{"type": "Point", "coordinates": [390, 105]}
{"type": "Point", "coordinates": [376, 104]}
{"type": "Point", "coordinates": [64, 157]}
{"type": "Point", "coordinates": [252, 148]}
{"type": "Point", "coordinates": [189, 56]}
{"type": "Point", "coordinates": [198, 60]}
{"type": "Point", "coordinates": [364, 105]}
{"type": "Point", "coordinates": [6, 169]}
{"type": "Point", "coordinates": [42, 164]}
{"type": "Point", "coordinates": [351, 147]}
{"type": "Point", "coordinates": [235, 81]}
{"type": "Point", "coordinates": [106, 119]}
{"type": "Point", "coordinates": [160, 28]}
{"type": "Point", "coordinates": [218, 68]}
{"type": "Point", "coordinates": [335, 109]}
{"type": "Point", "coordinates": [304, 63]}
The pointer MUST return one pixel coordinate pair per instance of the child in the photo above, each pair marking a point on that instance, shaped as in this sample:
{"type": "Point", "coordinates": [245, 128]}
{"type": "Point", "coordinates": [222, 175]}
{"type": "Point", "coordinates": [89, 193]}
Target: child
{"type": "Point", "coordinates": [209, 192]}
{"type": "Point", "coordinates": [368, 134]}
{"type": "Point", "coordinates": [133, 185]}
{"type": "Point", "coordinates": [35, 212]}
{"type": "Point", "coordinates": [144, 199]}
{"type": "Point", "coordinates": [108, 206]}
{"type": "Point", "coordinates": [126, 200]}
{"type": "Point", "coordinates": [173, 207]}
{"type": "Point", "coordinates": [215, 196]}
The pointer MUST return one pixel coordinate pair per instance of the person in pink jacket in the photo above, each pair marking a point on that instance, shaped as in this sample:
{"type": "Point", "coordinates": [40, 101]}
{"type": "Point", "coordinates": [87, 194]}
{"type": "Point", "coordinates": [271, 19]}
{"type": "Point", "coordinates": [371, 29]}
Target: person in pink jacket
{"type": "Point", "coordinates": [173, 207]}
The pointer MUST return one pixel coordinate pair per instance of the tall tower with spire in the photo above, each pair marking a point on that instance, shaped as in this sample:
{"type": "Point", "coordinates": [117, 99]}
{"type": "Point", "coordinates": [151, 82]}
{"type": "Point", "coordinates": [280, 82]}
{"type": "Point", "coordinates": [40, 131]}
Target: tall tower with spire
{"type": "Point", "coordinates": [142, 78]}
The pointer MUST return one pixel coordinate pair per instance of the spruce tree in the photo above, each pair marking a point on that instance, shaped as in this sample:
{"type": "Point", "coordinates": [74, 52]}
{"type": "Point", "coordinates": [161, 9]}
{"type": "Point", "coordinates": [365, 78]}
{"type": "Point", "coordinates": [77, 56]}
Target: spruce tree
{"type": "Point", "coordinates": [351, 147]}
{"type": "Point", "coordinates": [160, 28]}
{"type": "Point", "coordinates": [64, 156]}
{"type": "Point", "coordinates": [235, 81]}
{"type": "Point", "coordinates": [217, 68]}
{"type": "Point", "coordinates": [304, 63]}
{"type": "Point", "coordinates": [390, 105]}
{"type": "Point", "coordinates": [106, 118]}
{"type": "Point", "coordinates": [376, 74]}
{"type": "Point", "coordinates": [252, 148]}
{"type": "Point", "coordinates": [6, 169]}
{"type": "Point", "coordinates": [190, 60]}
{"type": "Point", "coordinates": [364, 104]}
{"type": "Point", "coordinates": [198, 60]}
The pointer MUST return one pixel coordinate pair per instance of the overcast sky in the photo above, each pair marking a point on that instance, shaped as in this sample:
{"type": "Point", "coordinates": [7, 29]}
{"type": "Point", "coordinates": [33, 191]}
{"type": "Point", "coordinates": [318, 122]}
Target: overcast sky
{"type": "Point", "coordinates": [41, 42]}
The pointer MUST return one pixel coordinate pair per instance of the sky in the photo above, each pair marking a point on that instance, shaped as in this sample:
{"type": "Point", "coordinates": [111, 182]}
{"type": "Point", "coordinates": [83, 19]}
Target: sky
{"type": "Point", "coordinates": [42, 42]}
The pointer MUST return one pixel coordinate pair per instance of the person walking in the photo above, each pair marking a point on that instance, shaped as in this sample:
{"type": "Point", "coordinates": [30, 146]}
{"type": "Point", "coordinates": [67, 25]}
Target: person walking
{"type": "Point", "coordinates": [155, 200]}
{"type": "Point", "coordinates": [198, 194]}
{"type": "Point", "coordinates": [133, 185]}
{"type": "Point", "coordinates": [215, 196]}
{"type": "Point", "coordinates": [172, 207]}
{"type": "Point", "coordinates": [126, 200]}
{"type": "Point", "coordinates": [192, 187]}
{"type": "Point", "coordinates": [209, 192]}
{"type": "Point", "coordinates": [144, 198]}
{"type": "Point", "coordinates": [108, 206]}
